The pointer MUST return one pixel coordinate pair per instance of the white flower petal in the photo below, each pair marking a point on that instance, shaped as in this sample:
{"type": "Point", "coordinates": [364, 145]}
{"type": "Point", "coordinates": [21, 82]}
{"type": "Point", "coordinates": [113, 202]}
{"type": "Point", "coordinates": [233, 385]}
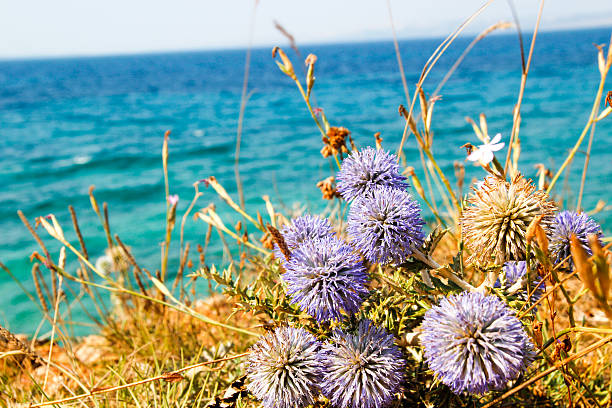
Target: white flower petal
{"type": "Point", "coordinates": [496, 139]}
{"type": "Point", "coordinates": [486, 157]}
{"type": "Point", "coordinates": [475, 155]}
{"type": "Point", "coordinates": [496, 147]}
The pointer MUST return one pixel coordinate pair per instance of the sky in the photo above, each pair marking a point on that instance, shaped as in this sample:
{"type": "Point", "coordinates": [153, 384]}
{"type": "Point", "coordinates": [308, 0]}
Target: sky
{"type": "Point", "coordinates": [40, 28]}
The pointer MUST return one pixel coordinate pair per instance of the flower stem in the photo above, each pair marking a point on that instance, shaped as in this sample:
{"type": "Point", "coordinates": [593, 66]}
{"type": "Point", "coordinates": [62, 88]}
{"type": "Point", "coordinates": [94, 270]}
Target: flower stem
{"type": "Point", "coordinates": [590, 122]}
{"type": "Point", "coordinates": [443, 271]}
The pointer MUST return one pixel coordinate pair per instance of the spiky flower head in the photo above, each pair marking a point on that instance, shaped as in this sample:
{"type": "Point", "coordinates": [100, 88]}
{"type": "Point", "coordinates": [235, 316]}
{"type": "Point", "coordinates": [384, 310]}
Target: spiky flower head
{"type": "Point", "coordinates": [303, 228]}
{"type": "Point", "coordinates": [515, 271]}
{"type": "Point", "coordinates": [325, 277]}
{"type": "Point", "coordinates": [385, 224]}
{"type": "Point", "coordinates": [495, 223]}
{"type": "Point", "coordinates": [284, 368]}
{"type": "Point", "coordinates": [564, 225]}
{"type": "Point", "coordinates": [474, 343]}
{"type": "Point", "coordinates": [363, 369]}
{"type": "Point", "coordinates": [365, 169]}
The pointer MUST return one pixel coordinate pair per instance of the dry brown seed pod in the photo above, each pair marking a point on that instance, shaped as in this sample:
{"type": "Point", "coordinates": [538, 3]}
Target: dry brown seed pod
{"type": "Point", "coordinates": [280, 241]}
{"type": "Point", "coordinates": [335, 141]}
{"type": "Point", "coordinates": [328, 188]}
{"type": "Point", "coordinates": [494, 224]}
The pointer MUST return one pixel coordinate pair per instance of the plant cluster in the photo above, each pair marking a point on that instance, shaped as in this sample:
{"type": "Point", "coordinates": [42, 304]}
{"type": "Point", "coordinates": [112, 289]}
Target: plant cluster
{"type": "Point", "coordinates": [497, 296]}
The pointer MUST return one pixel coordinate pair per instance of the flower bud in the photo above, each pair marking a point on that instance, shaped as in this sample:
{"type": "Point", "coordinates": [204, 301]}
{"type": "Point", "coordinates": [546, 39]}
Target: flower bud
{"type": "Point", "coordinates": [416, 183]}
{"type": "Point", "coordinates": [310, 78]}
{"type": "Point", "coordinates": [286, 65]}
{"type": "Point", "coordinates": [378, 141]}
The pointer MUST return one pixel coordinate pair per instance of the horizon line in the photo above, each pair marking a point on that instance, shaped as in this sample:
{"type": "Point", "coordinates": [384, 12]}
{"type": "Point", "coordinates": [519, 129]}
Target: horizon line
{"type": "Point", "coordinates": [50, 57]}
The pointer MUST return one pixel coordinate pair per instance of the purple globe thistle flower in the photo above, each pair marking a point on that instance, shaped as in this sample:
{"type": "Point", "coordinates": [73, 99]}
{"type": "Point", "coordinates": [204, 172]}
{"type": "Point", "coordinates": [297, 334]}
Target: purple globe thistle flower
{"type": "Point", "coordinates": [475, 343]}
{"type": "Point", "coordinates": [514, 271]}
{"type": "Point", "coordinates": [385, 224]}
{"type": "Point", "coordinates": [365, 169]}
{"type": "Point", "coordinates": [284, 368]}
{"type": "Point", "coordinates": [564, 225]}
{"type": "Point", "coordinates": [362, 370]}
{"type": "Point", "coordinates": [325, 278]}
{"type": "Point", "coordinates": [301, 229]}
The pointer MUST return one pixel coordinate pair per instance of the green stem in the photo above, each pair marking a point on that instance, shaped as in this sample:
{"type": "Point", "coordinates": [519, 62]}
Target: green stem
{"type": "Point", "coordinates": [307, 100]}
{"type": "Point", "coordinates": [443, 178]}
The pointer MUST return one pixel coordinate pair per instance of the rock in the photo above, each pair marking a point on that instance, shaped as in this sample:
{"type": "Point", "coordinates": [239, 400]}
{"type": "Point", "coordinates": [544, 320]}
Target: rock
{"type": "Point", "coordinates": [91, 349]}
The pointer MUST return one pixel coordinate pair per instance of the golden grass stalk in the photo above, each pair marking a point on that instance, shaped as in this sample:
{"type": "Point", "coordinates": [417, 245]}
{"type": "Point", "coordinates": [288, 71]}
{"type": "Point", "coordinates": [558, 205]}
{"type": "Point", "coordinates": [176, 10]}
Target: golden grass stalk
{"type": "Point", "coordinates": [546, 372]}
{"type": "Point", "coordinates": [603, 70]}
{"type": "Point", "coordinates": [169, 376]}
{"type": "Point", "coordinates": [516, 121]}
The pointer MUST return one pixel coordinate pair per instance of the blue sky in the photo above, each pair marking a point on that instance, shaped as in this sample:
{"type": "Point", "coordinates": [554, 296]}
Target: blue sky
{"type": "Point", "coordinates": [31, 28]}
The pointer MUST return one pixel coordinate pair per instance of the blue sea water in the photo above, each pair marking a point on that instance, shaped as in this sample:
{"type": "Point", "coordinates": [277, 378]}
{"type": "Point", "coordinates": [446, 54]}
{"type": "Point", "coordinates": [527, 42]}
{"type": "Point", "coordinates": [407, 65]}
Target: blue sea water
{"type": "Point", "coordinates": [66, 124]}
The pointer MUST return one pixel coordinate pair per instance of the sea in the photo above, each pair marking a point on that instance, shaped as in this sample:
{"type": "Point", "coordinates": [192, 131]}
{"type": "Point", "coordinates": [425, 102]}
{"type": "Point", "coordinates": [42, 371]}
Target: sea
{"type": "Point", "coordinates": [69, 123]}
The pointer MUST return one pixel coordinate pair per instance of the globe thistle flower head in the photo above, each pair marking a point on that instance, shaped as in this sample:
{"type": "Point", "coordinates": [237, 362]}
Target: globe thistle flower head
{"type": "Point", "coordinates": [565, 224]}
{"type": "Point", "coordinates": [301, 229]}
{"type": "Point", "coordinates": [326, 278]}
{"type": "Point", "coordinates": [515, 271]}
{"type": "Point", "coordinates": [363, 369]}
{"type": "Point", "coordinates": [474, 343]}
{"type": "Point", "coordinates": [367, 168]}
{"type": "Point", "coordinates": [385, 224]}
{"type": "Point", "coordinates": [495, 223]}
{"type": "Point", "coordinates": [284, 368]}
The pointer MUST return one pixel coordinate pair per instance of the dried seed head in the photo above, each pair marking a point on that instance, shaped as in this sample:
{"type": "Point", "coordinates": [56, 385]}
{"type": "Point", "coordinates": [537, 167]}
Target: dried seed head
{"type": "Point", "coordinates": [378, 140]}
{"type": "Point", "coordinates": [280, 241]}
{"type": "Point", "coordinates": [537, 333]}
{"type": "Point", "coordinates": [335, 141]}
{"type": "Point", "coordinates": [402, 111]}
{"type": "Point", "coordinates": [494, 225]}
{"type": "Point", "coordinates": [267, 240]}
{"type": "Point", "coordinates": [328, 188]}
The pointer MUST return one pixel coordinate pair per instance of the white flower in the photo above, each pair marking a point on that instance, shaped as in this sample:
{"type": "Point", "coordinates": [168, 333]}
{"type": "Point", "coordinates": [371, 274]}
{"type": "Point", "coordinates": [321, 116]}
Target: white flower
{"type": "Point", "coordinates": [484, 153]}
{"type": "Point", "coordinates": [104, 264]}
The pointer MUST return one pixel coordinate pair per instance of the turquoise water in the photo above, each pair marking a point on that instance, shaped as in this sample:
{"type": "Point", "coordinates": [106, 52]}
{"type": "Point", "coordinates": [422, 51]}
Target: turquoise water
{"type": "Point", "coordinates": [68, 123]}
